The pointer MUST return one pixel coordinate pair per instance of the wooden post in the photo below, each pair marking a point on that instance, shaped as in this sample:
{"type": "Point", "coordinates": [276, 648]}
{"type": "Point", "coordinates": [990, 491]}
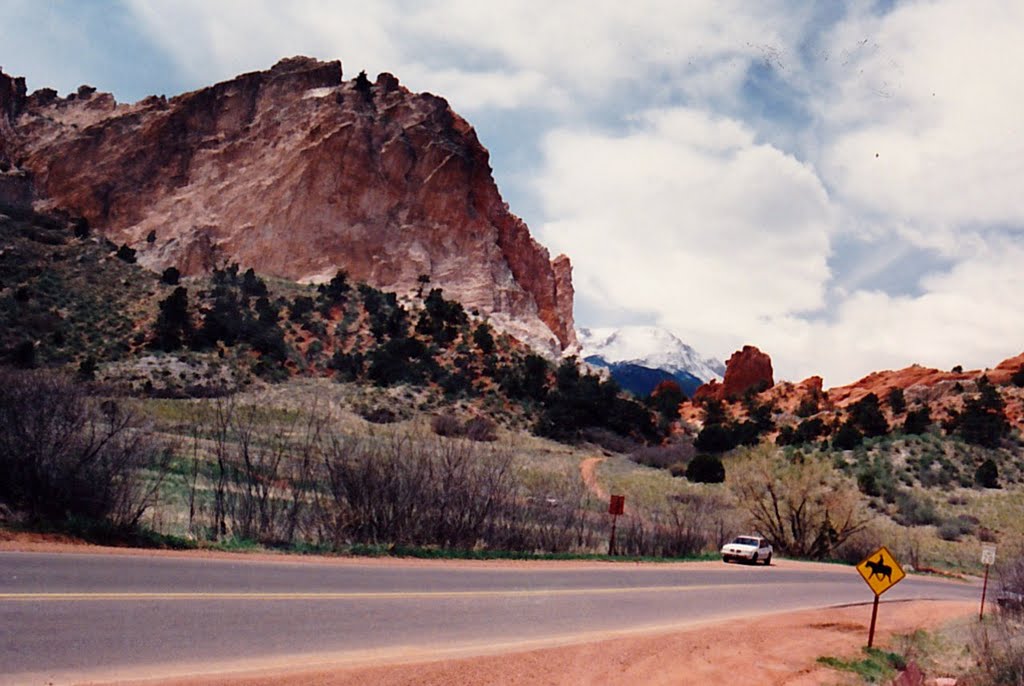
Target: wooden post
{"type": "Point", "coordinates": [616, 506]}
{"type": "Point", "coordinates": [874, 615]}
{"type": "Point", "coordinates": [984, 589]}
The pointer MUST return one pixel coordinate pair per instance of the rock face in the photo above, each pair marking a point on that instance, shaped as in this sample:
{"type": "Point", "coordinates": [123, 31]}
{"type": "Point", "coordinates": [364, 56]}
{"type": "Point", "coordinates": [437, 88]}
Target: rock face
{"type": "Point", "coordinates": [296, 173]}
{"type": "Point", "coordinates": [747, 369]}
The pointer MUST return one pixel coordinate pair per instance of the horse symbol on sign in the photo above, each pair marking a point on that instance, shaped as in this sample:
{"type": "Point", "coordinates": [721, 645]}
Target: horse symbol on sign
{"type": "Point", "coordinates": [879, 568]}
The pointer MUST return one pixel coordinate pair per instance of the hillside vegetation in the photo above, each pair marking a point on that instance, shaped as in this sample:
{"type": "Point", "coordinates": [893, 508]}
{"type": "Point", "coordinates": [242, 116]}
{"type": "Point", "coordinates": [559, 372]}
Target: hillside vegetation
{"type": "Point", "coordinates": [236, 410]}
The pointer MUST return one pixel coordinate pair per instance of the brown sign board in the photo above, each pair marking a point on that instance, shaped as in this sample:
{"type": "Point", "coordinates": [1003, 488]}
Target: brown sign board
{"type": "Point", "coordinates": [617, 505]}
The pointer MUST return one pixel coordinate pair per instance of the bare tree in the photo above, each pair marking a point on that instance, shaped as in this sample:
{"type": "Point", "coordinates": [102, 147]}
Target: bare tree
{"type": "Point", "coordinates": [64, 455]}
{"type": "Point", "coordinates": [804, 506]}
{"type": "Point", "coordinates": [221, 430]}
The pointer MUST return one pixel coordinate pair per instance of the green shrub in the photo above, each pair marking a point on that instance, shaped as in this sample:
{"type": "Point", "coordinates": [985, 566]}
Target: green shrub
{"type": "Point", "coordinates": [983, 420]}
{"type": "Point", "coordinates": [171, 276]}
{"type": "Point", "coordinates": [336, 290]}
{"type": "Point", "coordinates": [483, 338]}
{"type": "Point", "coordinates": [915, 511]}
{"type": "Point", "coordinates": [866, 415]}
{"type": "Point", "coordinates": [716, 438]}
{"type": "Point", "coordinates": [987, 474]}
{"type": "Point", "coordinates": [126, 254]}
{"type": "Point", "coordinates": [1017, 379]}
{"type": "Point", "coordinates": [379, 415]}
{"type": "Point", "coordinates": [897, 402]}
{"type": "Point", "coordinates": [173, 327]}
{"type": "Point", "coordinates": [663, 456]}
{"type": "Point", "coordinates": [706, 469]}
{"type": "Point", "coordinates": [954, 529]}
{"type": "Point", "coordinates": [847, 437]}
{"type": "Point", "coordinates": [917, 421]}
{"type": "Point", "coordinates": [441, 319]}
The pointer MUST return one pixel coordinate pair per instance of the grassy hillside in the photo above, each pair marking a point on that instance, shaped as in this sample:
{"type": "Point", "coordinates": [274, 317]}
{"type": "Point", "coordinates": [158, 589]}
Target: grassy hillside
{"type": "Point", "coordinates": [239, 410]}
{"type": "Point", "coordinates": [77, 303]}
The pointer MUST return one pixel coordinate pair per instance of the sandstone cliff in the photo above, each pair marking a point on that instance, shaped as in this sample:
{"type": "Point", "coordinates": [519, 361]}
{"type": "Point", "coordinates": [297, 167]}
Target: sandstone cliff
{"type": "Point", "coordinates": [297, 173]}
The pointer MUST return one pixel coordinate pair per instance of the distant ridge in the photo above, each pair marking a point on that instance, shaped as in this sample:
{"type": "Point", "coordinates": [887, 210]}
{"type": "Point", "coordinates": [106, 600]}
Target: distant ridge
{"type": "Point", "coordinates": [639, 357]}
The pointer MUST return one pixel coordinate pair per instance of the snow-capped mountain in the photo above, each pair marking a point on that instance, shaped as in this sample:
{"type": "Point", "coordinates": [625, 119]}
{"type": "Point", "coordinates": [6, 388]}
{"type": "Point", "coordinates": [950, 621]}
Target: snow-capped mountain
{"type": "Point", "coordinates": [647, 346]}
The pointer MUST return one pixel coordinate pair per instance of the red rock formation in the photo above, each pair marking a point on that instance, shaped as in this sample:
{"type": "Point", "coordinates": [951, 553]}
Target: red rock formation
{"type": "Point", "coordinates": [880, 383]}
{"type": "Point", "coordinates": [787, 397]}
{"type": "Point", "coordinates": [711, 390]}
{"type": "Point", "coordinates": [943, 392]}
{"type": "Point", "coordinates": [296, 173]}
{"type": "Point", "coordinates": [747, 369]}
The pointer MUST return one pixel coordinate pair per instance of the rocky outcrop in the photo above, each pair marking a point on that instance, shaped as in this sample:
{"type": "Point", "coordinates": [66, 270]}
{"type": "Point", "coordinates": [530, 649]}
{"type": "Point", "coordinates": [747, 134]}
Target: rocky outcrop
{"type": "Point", "coordinates": [296, 173]}
{"type": "Point", "coordinates": [747, 370]}
{"type": "Point", "coordinates": [882, 382]}
{"type": "Point", "coordinates": [942, 392]}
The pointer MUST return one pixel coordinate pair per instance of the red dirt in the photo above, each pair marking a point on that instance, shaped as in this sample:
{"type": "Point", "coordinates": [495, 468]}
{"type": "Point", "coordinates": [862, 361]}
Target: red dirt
{"type": "Point", "coordinates": [774, 650]}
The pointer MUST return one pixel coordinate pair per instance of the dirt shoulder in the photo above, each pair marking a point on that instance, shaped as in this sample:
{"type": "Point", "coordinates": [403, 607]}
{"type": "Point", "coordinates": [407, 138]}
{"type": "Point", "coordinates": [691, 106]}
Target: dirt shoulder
{"type": "Point", "coordinates": [775, 650]}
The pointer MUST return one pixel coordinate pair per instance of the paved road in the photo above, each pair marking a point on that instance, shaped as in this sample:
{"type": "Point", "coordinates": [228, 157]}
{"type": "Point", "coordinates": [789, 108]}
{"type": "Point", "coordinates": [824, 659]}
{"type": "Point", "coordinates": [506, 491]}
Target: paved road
{"type": "Point", "coordinates": [65, 616]}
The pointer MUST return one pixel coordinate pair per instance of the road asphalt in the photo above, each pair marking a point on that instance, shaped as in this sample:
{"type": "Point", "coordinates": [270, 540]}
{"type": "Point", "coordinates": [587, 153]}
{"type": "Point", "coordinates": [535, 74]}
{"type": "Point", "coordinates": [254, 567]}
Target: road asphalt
{"type": "Point", "coordinates": [66, 617]}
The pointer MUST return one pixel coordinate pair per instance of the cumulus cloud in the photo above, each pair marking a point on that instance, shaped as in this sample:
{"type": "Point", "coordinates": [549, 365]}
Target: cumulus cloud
{"type": "Point", "coordinates": [924, 124]}
{"type": "Point", "coordinates": [528, 53]}
{"type": "Point", "coordinates": [966, 316]}
{"type": "Point", "coordinates": [688, 216]}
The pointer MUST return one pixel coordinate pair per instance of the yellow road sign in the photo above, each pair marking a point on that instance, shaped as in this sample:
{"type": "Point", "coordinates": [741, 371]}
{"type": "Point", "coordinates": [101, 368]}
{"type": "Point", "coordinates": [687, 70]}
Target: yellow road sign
{"type": "Point", "coordinates": [881, 571]}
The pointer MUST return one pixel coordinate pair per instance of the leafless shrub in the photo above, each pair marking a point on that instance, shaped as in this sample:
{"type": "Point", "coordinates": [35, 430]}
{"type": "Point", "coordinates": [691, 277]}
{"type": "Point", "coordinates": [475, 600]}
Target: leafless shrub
{"type": "Point", "coordinates": [998, 643]}
{"type": "Point", "coordinates": [663, 456]}
{"type": "Point", "coordinates": [63, 456]}
{"type": "Point", "coordinates": [447, 425]}
{"type": "Point", "coordinates": [986, 535]}
{"type": "Point", "coordinates": [690, 524]}
{"type": "Point", "coordinates": [451, 494]}
{"type": "Point", "coordinates": [379, 415]}
{"type": "Point", "coordinates": [262, 471]}
{"type": "Point", "coordinates": [860, 545]}
{"type": "Point", "coordinates": [609, 440]}
{"type": "Point", "coordinates": [481, 429]}
{"type": "Point", "coordinates": [410, 493]}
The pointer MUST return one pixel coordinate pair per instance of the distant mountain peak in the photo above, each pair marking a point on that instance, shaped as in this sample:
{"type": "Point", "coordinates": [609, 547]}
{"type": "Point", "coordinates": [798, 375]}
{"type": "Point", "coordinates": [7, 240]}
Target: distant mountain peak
{"type": "Point", "coordinates": [648, 346]}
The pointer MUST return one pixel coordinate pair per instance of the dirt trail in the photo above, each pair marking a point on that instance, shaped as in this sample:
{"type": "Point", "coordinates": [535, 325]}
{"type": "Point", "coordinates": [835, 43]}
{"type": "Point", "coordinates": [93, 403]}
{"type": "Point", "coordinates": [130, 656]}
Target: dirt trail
{"type": "Point", "coordinates": [588, 472]}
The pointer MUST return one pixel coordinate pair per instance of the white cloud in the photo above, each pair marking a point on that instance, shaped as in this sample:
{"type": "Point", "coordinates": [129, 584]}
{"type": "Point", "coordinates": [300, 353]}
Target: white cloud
{"type": "Point", "coordinates": [925, 121]}
{"type": "Point", "coordinates": [486, 55]}
{"type": "Point", "coordinates": [688, 216]}
{"type": "Point", "coordinates": [968, 316]}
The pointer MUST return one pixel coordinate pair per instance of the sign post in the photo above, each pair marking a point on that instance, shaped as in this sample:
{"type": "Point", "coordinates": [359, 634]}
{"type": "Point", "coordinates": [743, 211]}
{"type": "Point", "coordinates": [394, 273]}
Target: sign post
{"type": "Point", "coordinates": [615, 508]}
{"type": "Point", "coordinates": [880, 572]}
{"type": "Point", "coordinates": [988, 558]}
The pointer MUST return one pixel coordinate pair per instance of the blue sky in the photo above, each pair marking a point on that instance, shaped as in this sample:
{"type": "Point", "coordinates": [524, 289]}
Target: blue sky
{"type": "Point", "coordinates": [836, 183]}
